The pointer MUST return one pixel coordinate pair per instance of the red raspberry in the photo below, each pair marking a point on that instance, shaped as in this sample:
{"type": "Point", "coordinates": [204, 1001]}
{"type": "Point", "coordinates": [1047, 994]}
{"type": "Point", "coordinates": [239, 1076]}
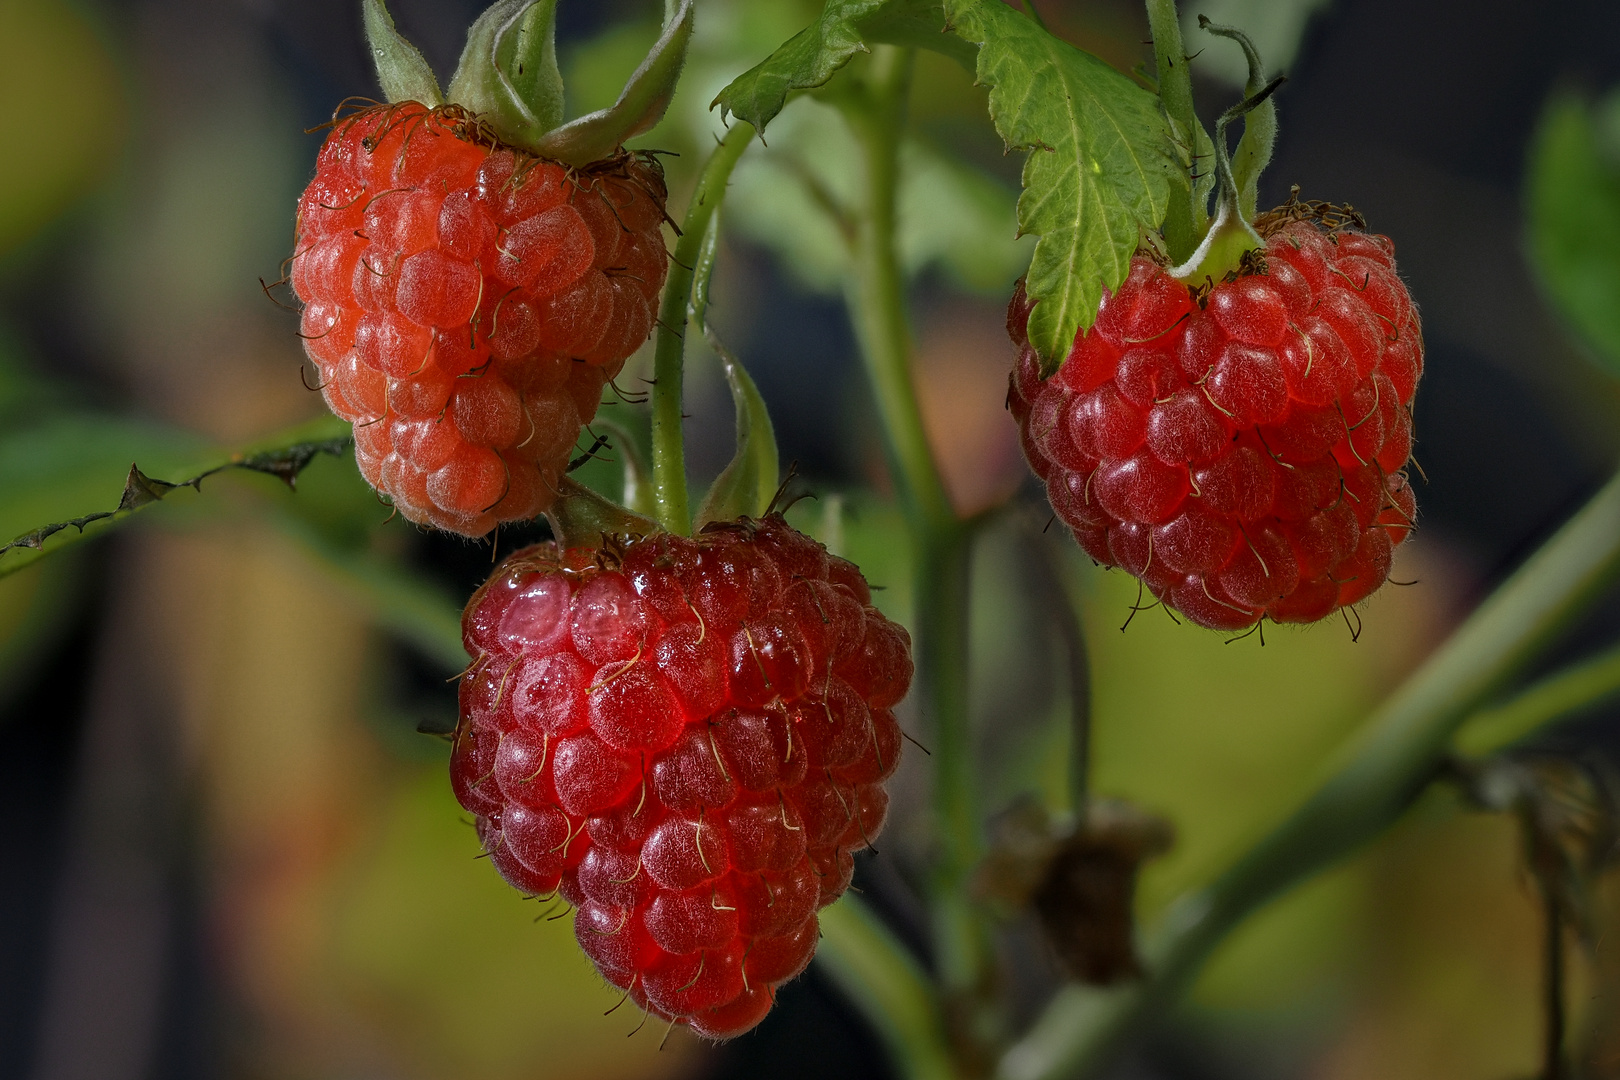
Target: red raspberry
{"type": "Point", "coordinates": [466, 302]}
{"type": "Point", "coordinates": [1243, 452]}
{"type": "Point", "coordinates": [687, 739]}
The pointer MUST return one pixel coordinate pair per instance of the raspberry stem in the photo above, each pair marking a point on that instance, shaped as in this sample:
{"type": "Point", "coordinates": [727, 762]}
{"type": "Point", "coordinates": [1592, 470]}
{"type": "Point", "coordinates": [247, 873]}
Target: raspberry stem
{"type": "Point", "coordinates": [875, 970]}
{"type": "Point", "coordinates": [1187, 218]}
{"type": "Point", "coordinates": [1385, 768]}
{"type": "Point", "coordinates": [670, 501]}
{"type": "Point", "coordinates": [875, 296]}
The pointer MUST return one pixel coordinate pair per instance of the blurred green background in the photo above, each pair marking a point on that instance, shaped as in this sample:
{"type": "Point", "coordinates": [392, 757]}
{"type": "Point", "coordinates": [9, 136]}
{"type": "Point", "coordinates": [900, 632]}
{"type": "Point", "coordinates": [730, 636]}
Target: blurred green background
{"type": "Point", "coordinates": [229, 853]}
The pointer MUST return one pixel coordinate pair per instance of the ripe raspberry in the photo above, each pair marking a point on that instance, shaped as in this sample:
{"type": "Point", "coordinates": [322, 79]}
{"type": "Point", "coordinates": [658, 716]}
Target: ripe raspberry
{"type": "Point", "coordinates": [1243, 452]}
{"type": "Point", "coordinates": [466, 302]}
{"type": "Point", "coordinates": [687, 739]}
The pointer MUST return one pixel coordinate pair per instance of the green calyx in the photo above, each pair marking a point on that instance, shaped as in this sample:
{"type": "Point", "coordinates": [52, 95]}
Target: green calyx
{"type": "Point", "coordinates": [508, 77]}
{"type": "Point", "coordinates": [580, 518]}
{"type": "Point", "coordinates": [1230, 237]}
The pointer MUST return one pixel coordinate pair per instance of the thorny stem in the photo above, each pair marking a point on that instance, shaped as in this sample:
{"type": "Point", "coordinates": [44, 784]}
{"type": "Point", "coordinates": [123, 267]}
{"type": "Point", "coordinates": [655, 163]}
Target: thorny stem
{"type": "Point", "coordinates": [876, 300]}
{"type": "Point", "coordinates": [1378, 775]}
{"type": "Point", "coordinates": [1182, 230]}
{"type": "Point", "coordinates": [668, 451]}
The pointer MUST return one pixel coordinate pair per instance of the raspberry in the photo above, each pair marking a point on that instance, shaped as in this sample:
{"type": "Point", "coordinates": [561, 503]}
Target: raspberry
{"type": "Point", "coordinates": [687, 739]}
{"type": "Point", "coordinates": [1243, 453]}
{"type": "Point", "coordinates": [466, 302]}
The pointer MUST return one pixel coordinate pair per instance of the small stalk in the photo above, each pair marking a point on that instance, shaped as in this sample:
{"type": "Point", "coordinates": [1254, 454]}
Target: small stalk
{"type": "Point", "coordinates": [1054, 586]}
{"type": "Point", "coordinates": [1184, 225]}
{"type": "Point", "coordinates": [941, 547]}
{"type": "Point", "coordinates": [670, 501]}
{"type": "Point", "coordinates": [876, 972]}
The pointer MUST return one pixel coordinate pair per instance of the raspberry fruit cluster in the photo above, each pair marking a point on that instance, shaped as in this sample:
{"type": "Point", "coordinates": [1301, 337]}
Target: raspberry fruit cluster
{"type": "Point", "coordinates": [466, 302]}
{"type": "Point", "coordinates": [1241, 451]}
{"type": "Point", "coordinates": [686, 738]}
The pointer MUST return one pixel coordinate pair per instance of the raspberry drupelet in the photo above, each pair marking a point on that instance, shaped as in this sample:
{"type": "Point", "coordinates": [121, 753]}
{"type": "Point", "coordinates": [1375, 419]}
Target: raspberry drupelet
{"type": "Point", "coordinates": [1242, 451]}
{"type": "Point", "coordinates": [686, 738]}
{"type": "Point", "coordinates": [466, 302]}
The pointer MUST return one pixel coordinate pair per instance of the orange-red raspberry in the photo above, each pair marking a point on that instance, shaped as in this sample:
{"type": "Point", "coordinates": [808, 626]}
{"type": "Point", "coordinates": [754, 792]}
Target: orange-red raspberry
{"type": "Point", "coordinates": [1243, 451]}
{"type": "Point", "coordinates": [466, 303]}
{"type": "Point", "coordinates": [687, 739]}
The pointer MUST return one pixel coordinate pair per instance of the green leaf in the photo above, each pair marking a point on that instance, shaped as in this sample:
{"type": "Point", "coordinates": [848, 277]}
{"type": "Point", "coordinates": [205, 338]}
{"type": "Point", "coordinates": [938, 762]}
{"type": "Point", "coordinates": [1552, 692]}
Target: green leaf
{"type": "Point", "coordinates": [71, 477]}
{"type": "Point", "coordinates": [1574, 219]}
{"type": "Point", "coordinates": [1098, 171]}
{"type": "Point", "coordinates": [401, 69]}
{"type": "Point", "coordinates": [642, 104]}
{"type": "Point", "coordinates": [748, 483]}
{"type": "Point", "coordinates": [816, 53]}
{"type": "Point", "coordinates": [508, 71]}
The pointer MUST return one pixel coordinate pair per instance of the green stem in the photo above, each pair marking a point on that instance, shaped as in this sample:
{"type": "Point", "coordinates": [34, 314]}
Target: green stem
{"type": "Point", "coordinates": [877, 973]}
{"type": "Point", "coordinates": [876, 300]}
{"type": "Point", "coordinates": [668, 451]}
{"type": "Point", "coordinates": [1576, 688]}
{"type": "Point", "coordinates": [1182, 229]}
{"type": "Point", "coordinates": [1057, 593]}
{"type": "Point", "coordinates": [1377, 776]}
{"type": "Point", "coordinates": [876, 291]}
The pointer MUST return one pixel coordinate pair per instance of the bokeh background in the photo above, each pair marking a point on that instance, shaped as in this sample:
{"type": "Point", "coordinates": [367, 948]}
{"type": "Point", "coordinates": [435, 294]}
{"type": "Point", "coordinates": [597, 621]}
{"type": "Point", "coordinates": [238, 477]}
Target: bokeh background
{"type": "Point", "coordinates": [225, 851]}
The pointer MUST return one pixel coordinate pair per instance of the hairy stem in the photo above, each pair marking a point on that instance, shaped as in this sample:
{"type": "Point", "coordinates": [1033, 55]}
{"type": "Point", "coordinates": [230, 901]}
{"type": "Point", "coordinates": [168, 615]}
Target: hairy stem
{"type": "Point", "coordinates": [1376, 777]}
{"type": "Point", "coordinates": [668, 450]}
{"type": "Point", "coordinates": [876, 300]}
{"type": "Point", "coordinates": [1181, 227]}
{"type": "Point", "coordinates": [876, 973]}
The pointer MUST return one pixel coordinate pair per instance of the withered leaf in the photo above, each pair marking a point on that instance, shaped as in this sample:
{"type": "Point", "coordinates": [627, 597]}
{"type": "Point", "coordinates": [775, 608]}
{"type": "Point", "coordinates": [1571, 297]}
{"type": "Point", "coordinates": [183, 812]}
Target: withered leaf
{"type": "Point", "coordinates": [1080, 881]}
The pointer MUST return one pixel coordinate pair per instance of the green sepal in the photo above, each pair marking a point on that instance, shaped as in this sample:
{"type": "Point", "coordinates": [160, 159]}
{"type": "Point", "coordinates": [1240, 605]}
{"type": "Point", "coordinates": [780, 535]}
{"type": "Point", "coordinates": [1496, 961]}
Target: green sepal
{"type": "Point", "coordinates": [581, 518]}
{"type": "Point", "coordinates": [401, 68]}
{"type": "Point", "coordinates": [1230, 237]}
{"type": "Point", "coordinates": [748, 483]}
{"type": "Point", "coordinates": [508, 72]}
{"type": "Point", "coordinates": [1259, 124]}
{"type": "Point", "coordinates": [641, 104]}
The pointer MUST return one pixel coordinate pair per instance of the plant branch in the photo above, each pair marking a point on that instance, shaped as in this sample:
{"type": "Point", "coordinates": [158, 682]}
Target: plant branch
{"type": "Point", "coordinates": [877, 973]}
{"type": "Point", "coordinates": [1556, 697]}
{"type": "Point", "coordinates": [1181, 226]}
{"type": "Point", "coordinates": [1377, 775]}
{"type": "Point", "coordinates": [1055, 589]}
{"type": "Point", "coordinates": [941, 541]}
{"type": "Point", "coordinates": [876, 290]}
{"type": "Point", "coordinates": [668, 449]}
